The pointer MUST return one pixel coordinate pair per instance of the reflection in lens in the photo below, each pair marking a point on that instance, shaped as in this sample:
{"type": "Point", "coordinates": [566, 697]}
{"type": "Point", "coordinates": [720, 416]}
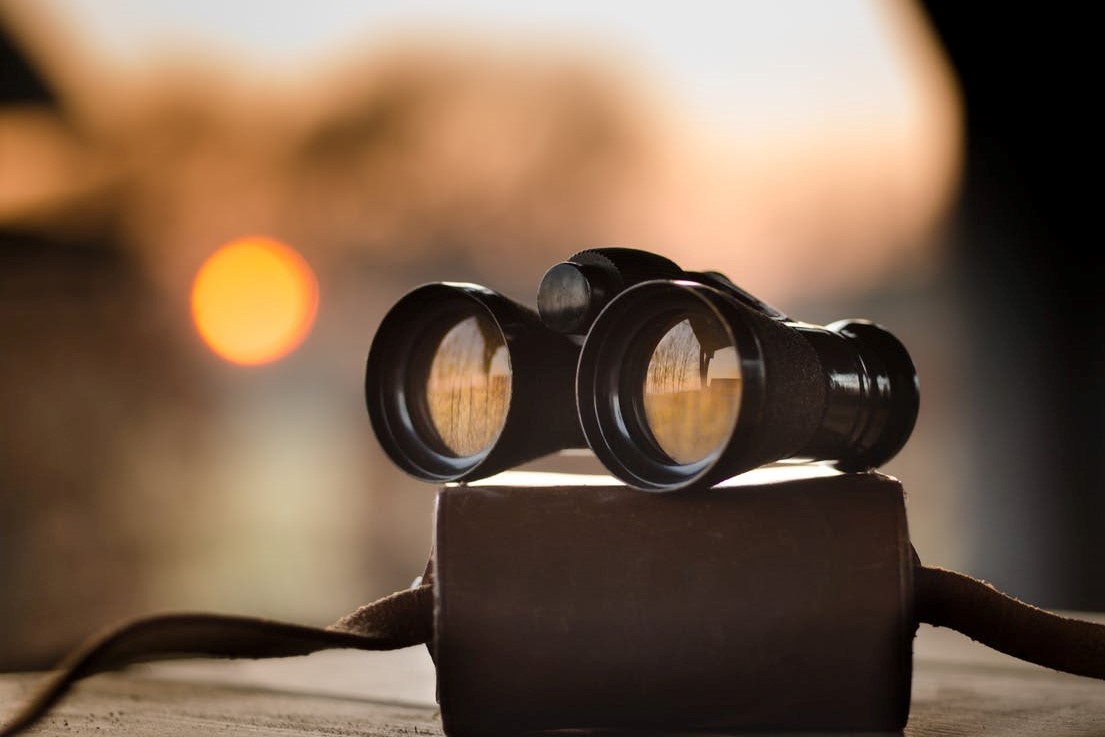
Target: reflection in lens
{"type": "Point", "coordinates": [692, 389]}
{"type": "Point", "coordinates": [468, 387]}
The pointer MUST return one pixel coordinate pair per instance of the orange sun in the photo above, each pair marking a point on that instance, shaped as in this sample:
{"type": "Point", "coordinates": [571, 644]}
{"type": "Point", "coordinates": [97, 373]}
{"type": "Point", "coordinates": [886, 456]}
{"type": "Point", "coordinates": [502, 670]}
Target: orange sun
{"type": "Point", "coordinates": [254, 300]}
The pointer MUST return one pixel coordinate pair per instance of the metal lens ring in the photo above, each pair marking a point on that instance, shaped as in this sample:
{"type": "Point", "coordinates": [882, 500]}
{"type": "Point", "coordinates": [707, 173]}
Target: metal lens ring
{"type": "Point", "coordinates": [438, 381]}
{"type": "Point", "coordinates": [663, 383]}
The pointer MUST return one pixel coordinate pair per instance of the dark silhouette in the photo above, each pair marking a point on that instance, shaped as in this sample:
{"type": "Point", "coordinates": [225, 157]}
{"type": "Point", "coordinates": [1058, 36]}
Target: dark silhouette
{"type": "Point", "coordinates": [1025, 231]}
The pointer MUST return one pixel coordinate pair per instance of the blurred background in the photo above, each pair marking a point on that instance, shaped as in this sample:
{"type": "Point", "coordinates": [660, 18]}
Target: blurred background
{"type": "Point", "coordinates": [901, 162]}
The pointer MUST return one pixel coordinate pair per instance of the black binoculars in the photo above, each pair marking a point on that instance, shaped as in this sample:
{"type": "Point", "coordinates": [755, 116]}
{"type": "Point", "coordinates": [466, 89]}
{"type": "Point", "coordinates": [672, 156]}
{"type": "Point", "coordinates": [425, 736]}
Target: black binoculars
{"type": "Point", "coordinates": [674, 379]}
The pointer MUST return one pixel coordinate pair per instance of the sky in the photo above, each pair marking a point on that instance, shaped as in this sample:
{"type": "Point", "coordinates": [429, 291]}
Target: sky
{"type": "Point", "coordinates": [750, 63]}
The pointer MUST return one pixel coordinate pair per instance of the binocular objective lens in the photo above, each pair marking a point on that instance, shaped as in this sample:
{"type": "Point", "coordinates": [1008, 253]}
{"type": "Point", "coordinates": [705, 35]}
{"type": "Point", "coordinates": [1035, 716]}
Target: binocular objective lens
{"type": "Point", "coordinates": [467, 386]}
{"type": "Point", "coordinates": [692, 388]}
{"type": "Point", "coordinates": [440, 384]}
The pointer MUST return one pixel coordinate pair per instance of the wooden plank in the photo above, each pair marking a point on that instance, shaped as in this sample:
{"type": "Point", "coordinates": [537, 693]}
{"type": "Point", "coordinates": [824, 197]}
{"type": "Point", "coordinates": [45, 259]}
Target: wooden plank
{"type": "Point", "coordinates": [134, 704]}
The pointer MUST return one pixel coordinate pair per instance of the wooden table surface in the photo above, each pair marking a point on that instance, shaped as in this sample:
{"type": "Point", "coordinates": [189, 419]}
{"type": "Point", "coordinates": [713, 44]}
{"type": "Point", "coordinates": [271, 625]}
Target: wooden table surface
{"type": "Point", "coordinates": [959, 688]}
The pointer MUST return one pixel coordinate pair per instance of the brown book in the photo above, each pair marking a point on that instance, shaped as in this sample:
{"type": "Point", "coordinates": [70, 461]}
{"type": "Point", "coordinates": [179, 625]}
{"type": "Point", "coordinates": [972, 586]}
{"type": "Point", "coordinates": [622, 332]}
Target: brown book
{"type": "Point", "coordinates": [779, 601]}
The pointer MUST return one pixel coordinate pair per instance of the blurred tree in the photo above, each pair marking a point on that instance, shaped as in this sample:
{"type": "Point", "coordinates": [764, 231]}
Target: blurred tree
{"type": "Point", "coordinates": [89, 365]}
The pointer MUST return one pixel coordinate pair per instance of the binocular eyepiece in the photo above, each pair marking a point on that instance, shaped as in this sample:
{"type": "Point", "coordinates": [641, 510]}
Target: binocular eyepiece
{"type": "Point", "coordinates": [674, 379]}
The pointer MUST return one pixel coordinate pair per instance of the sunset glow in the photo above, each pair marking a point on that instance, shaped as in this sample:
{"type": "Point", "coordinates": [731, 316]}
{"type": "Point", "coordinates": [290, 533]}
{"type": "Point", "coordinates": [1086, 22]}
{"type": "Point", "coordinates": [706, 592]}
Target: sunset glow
{"type": "Point", "coordinates": [254, 300]}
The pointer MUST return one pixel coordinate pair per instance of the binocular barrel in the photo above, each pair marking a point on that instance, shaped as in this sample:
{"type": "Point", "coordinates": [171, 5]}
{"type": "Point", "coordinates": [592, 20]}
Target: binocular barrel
{"type": "Point", "coordinates": [463, 382]}
{"type": "Point", "coordinates": [684, 384]}
{"type": "Point", "coordinates": [674, 382]}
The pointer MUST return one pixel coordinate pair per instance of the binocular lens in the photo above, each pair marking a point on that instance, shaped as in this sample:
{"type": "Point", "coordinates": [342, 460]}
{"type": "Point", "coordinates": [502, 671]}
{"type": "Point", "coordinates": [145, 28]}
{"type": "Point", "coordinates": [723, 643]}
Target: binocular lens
{"type": "Point", "coordinates": [692, 388]}
{"type": "Point", "coordinates": [441, 391]}
{"type": "Point", "coordinates": [467, 386]}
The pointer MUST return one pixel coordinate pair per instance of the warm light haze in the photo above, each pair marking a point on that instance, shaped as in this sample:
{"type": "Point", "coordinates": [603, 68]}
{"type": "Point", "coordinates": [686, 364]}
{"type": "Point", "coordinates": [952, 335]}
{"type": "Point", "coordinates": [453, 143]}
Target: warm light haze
{"type": "Point", "coordinates": [254, 300]}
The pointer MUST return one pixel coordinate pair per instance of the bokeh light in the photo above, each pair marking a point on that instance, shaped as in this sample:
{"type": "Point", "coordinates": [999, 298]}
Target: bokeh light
{"type": "Point", "coordinates": [254, 300]}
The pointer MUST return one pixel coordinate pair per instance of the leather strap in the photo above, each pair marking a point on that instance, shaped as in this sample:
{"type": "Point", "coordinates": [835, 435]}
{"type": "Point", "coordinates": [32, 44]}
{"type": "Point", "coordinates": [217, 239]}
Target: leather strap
{"type": "Point", "coordinates": [400, 620]}
{"type": "Point", "coordinates": [976, 609]}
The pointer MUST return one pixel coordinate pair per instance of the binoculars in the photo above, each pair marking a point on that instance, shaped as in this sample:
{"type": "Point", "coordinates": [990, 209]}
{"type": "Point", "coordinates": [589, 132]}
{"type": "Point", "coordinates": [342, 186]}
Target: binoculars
{"type": "Point", "coordinates": [675, 379]}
